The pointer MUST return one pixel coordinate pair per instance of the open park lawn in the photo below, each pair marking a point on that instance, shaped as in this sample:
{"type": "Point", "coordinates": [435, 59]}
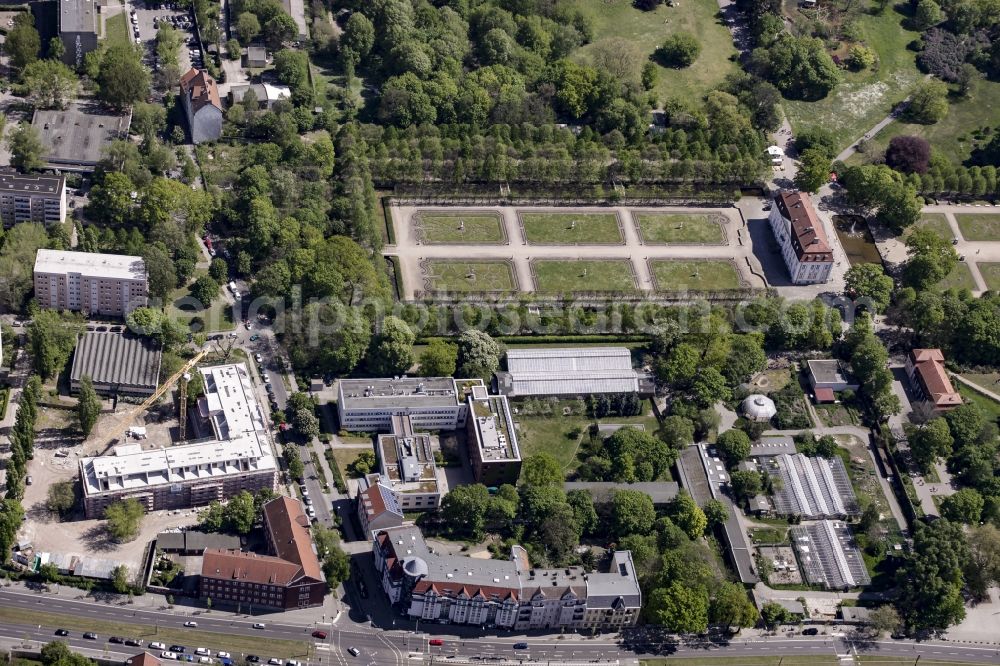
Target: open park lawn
{"type": "Point", "coordinates": [561, 436]}
{"type": "Point", "coordinates": [216, 317]}
{"type": "Point", "coordinates": [470, 276]}
{"type": "Point", "coordinates": [471, 227]}
{"type": "Point", "coordinates": [118, 29]}
{"type": "Point", "coordinates": [712, 275]}
{"type": "Point", "coordinates": [979, 226]}
{"type": "Point", "coordinates": [935, 222]}
{"type": "Point", "coordinates": [991, 274]}
{"type": "Point", "coordinates": [862, 99]}
{"type": "Point", "coordinates": [646, 31]}
{"type": "Point", "coordinates": [959, 278]}
{"type": "Point", "coordinates": [571, 228]}
{"type": "Point", "coordinates": [679, 228]}
{"type": "Point", "coordinates": [571, 275]}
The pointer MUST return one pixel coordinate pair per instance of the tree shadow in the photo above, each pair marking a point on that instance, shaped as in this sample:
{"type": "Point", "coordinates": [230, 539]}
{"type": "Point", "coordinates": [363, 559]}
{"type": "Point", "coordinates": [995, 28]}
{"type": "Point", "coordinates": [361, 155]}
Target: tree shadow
{"type": "Point", "coordinates": [98, 539]}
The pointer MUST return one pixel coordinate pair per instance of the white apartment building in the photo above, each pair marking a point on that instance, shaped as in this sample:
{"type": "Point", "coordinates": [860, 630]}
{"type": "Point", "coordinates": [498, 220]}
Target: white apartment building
{"type": "Point", "coordinates": [799, 232]}
{"type": "Point", "coordinates": [97, 284]}
{"type": "Point", "coordinates": [432, 403]}
{"type": "Point", "coordinates": [39, 198]}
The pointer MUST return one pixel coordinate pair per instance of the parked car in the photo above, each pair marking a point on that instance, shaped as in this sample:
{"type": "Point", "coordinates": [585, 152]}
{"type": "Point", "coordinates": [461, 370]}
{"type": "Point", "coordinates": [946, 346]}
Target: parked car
{"type": "Point", "coordinates": [258, 625]}
{"type": "Point", "coordinates": [116, 639]}
{"type": "Point", "coordinates": [274, 661]}
{"type": "Point", "coordinates": [205, 652]}
{"type": "Point", "coordinates": [156, 645]}
{"type": "Point", "coordinates": [167, 654]}
{"type": "Point", "coordinates": [520, 646]}
{"type": "Point", "coordinates": [205, 660]}
{"type": "Point", "coordinates": [134, 642]}
{"type": "Point", "coordinates": [253, 659]}
{"type": "Point", "coordinates": [180, 649]}
{"type": "Point", "coordinates": [62, 632]}
{"type": "Point", "coordinates": [354, 651]}
{"type": "Point", "coordinates": [90, 636]}
{"type": "Point", "coordinates": [223, 655]}
{"type": "Point", "coordinates": [190, 623]}
{"type": "Point", "coordinates": [811, 631]}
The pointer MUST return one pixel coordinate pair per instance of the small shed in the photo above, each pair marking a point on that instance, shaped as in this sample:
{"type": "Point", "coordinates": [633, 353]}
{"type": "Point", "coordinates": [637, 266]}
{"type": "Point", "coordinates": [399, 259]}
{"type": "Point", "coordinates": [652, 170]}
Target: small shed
{"type": "Point", "coordinates": [824, 396]}
{"type": "Point", "coordinates": [256, 57]}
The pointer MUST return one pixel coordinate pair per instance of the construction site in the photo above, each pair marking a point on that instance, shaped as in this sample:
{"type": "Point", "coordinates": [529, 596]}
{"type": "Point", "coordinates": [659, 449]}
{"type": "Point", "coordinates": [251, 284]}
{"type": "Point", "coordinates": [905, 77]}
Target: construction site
{"type": "Point", "coordinates": [201, 436]}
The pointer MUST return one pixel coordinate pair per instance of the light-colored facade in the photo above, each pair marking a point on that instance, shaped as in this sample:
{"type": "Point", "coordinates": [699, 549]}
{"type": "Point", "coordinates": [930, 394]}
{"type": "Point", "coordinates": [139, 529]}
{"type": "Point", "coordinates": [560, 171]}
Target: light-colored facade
{"type": "Point", "coordinates": [800, 234]}
{"type": "Point", "coordinates": [202, 106]}
{"type": "Point", "coordinates": [929, 378]}
{"type": "Point", "coordinates": [829, 374]}
{"type": "Point", "coordinates": [97, 284]}
{"type": "Point", "coordinates": [407, 467]}
{"type": "Point", "coordinates": [237, 458]}
{"type": "Point", "coordinates": [506, 594]}
{"type": "Point", "coordinates": [432, 403]}
{"type": "Point", "coordinates": [492, 439]}
{"type": "Point", "coordinates": [32, 198]}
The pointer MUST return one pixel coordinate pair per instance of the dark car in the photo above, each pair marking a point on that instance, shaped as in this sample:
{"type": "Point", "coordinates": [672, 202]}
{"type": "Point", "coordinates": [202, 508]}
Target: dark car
{"type": "Point", "coordinates": [116, 639]}
{"type": "Point", "coordinates": [520, 646]}
{"type": "Point", "coordinates": [62, 632]}
{"type": "Point", "coordinates": [177, 648]}
{"type": "Point", "coordinates": [253, 659]}
{"type": "Point", "coordinates": [90, 636]}
{"type": "Point", "coordinates": [811, 631]}
{"type": "Point", "coordinates": [134, 642]}
{"type": "Point", "coordinates": [319, 634]}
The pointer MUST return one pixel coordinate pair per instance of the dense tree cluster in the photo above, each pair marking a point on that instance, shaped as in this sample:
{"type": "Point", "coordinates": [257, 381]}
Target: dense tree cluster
{"type": "Point", "coordinates": [22, 442]}
{"type": "Point", "coordinates": [879, 189]}
{"type": "Point", "coordinates": [627, 456]}
{"type": "Point", "coordinates": [869, 363]}
{"type": "Point", "coordinates": [238, 515]}
{"type": "Point", "coordinates": [123, 519]}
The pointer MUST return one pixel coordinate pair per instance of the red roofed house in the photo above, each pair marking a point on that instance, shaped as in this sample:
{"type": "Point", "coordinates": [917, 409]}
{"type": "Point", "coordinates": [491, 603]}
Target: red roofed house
{"type": "Point", "coordinates": [800, 234]}
{"type": "Point", "coordinates": [143, 659]}
{"type": "Point", "coordinates": [378, 506]}
{"type": "Point", "coordinates": [290, 577]}
{"type": "Point", "coordinates": [202, 105]}
{"type": "Point", "coordinates": [925, 368]}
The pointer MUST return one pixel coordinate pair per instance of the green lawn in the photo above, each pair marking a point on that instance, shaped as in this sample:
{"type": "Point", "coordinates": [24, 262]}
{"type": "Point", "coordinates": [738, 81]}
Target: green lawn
{"type": "Point", "coordinates": [481, 227]}
{"type": "Point", "coordinates": [952, 137]}
{"type": "Point", "coordinates": [216, 317]}
{"type": "Point", "coordinates": [979, 226]}
{"type": "Point", "coordinates": [118, 30]}
{"type": "Point", "coordinates": [991, 274]}
{"type": "Point", "coordinates": [988, 405]}
{"type": "Point", "coordinates": [571, 228]}
{"type": "Point", "coordinates": [560, 436]}
{"type": "Point", "coordinates": [959, 278]}
{"type": "Point", "coordinates": [646, 31]}
{"type": "Point", "coordinates": [570, 275]}
{"type": "Point", "coordinates": [935, 222]}
{"type": "Point", "coordinates": [469, 276]}
{"type": "Point", "coordinates": [678, 228]}
{"type": "Point", "coordinates": [862, 99]}
{"type": "Point", "coordinates": [711, 275]}
{"type": "Point", "coordinates": [345, 457]}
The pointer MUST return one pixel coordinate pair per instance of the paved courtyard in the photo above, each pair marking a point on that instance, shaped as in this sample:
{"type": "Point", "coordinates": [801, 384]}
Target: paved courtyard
{"type": "Point", "coordinates": [412, 253]}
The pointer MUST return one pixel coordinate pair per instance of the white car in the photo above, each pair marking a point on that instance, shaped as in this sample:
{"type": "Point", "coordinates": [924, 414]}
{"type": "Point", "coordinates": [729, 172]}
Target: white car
{"type": "Point", "coordinates": [157, 646]}
{"type": "Point", "coordinates": [308, 501]}
{"type": "Point", "coordinates": [190, 623]}
{"type": "Point", "coordinates": [223, 655]}
{"type": "Point", "coordinates": [167, 654]}
{"type": "Point", "coordinates": [258, 625]}
{"type": "Point", "coordinates": [274, 661]}
{"type": "Point", "coordinates": [205, 660]}
{"type": "Point", "coordinates": [205, 652]}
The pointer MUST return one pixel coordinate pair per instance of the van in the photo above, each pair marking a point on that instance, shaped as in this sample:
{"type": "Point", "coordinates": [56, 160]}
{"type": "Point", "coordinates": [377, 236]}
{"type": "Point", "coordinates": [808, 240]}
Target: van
{"type": "Point", "coordinates": [232, 286]}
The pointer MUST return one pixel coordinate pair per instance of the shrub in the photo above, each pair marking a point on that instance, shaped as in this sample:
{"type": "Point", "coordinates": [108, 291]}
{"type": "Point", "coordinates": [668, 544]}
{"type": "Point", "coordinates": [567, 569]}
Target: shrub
{"type": "Point", "coordinates": [680, 50]}
{"type": "Point", "coordinates": [909, 154]}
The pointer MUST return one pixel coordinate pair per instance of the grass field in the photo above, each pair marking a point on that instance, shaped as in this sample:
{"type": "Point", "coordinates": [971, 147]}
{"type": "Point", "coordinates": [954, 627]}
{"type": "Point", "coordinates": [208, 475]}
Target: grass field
{"type": "Point", "coordinates": [471, 276]}
{"type": "Point", "coordinates": [959, 278]}
{"type": "Point", "coordinates": [571, 228]}
{"type": "Point", "coordinates": [979, 226]}
{"type": "Point", "coordinates": [118, 30]}
{"type": "Point", "coordinates": [560, 436]}
{"type": "Point", "coordinates": [672, 275]}
{"type": "Point", "coordinates": [988, 405]}
{"type": "Point", "coordinates": [952, 137]}
{"type": "Point", "coordinates": [676, 228]}
{"type": "Point", "coordinates": [216, 317]}
{"type": "Point", "coordinates": [568, 275]}
{"type": "Point", "coordinates": [935, 222]}
{"type": "Point", "coordinates": [264, 647]}
{"type": "Point", "coordinates": [484, 228]}
{"type": "Point", "coordinates": [645, 31]}
{"type": "Point", "coordinates": [345, 457]}
{"type": "Point", "coordinates": [862, 99]}
{"type": "Point", "coordinates": [991, 274]}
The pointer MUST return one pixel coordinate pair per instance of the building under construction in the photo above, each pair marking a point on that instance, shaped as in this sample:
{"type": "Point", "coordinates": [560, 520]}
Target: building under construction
{"type": "Point", "coordinates": [236, 457]}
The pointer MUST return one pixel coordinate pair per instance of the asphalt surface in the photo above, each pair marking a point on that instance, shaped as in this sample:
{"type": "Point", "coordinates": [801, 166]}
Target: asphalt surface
{"type": "Point", "coordinates": [380, 647]}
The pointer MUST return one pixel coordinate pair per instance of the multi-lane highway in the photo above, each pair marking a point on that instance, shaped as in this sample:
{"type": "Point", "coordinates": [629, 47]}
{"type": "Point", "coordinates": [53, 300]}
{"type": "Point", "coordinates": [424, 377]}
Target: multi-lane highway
{"type": "Point", "coordinates": [379, 647]}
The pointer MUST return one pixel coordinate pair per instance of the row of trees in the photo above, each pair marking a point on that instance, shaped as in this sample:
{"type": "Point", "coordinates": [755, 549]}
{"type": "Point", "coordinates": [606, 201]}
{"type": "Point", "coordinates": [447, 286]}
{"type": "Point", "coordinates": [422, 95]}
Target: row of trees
{"type": "Point", "coordinates": [22, 438]}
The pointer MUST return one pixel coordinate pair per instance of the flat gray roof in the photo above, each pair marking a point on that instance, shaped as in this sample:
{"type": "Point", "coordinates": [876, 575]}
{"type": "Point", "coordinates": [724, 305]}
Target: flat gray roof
{"type": "Point", "coordinates": [829, 556]}
{"type": "Point", "coordinates": [772, 446]}
{"type": "Point", "coordinates": [620, 581]}
{"type": "Point", "coordinates": [12, 181]}
{"type": "Point", "coordinates": [78, 135]}
{"type": "Point", "coordinates": [117, 359]}
{"type": "Point", "coordinates": [394, 393]}
{"type": "Point", "coordinates": [569, 371]}
{"type": "Point", "coordinates": [91, 264]}
{"type": "Point", "coordinates": [77, 16]}
{"type": "Point", "coordinates": [826, 371]}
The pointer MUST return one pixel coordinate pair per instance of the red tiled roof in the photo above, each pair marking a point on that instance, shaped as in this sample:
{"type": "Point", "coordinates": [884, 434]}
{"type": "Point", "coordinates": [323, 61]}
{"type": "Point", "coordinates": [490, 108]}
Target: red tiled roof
{"type": "Point", "coordinates": [201, 89]}
{"type": "Point", "coordinates": [825, 395]}
{"type": "Point", "coordinates": [288, 527]}
{"type": "Point", "coordinates": [248, 567]}
{"type": "Point", "coordinates": [928, 364]}
{"type": "Point", "coordinates": [808, 237]}
{"type": "Point", "coordinates": [458, 589]}
{"type": "Point", "coordinates": [143, 659]}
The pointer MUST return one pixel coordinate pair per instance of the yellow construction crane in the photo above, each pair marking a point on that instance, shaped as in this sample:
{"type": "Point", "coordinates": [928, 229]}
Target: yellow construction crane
{"type": "Point", "coordinates": [127, 420]}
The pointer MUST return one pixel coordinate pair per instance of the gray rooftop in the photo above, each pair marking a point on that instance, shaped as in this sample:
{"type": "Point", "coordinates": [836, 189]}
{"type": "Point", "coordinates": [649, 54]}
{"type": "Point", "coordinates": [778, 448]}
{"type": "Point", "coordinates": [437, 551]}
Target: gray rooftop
{"type": "Point", "coordinates": [196, 541]}
{"type": "Point", "coordinates": [812, 487]}
{"type": "Point", "coordinates": [12, 181]}
{"type": "Point", "coordinates": [77, 16]}
{"type": "Point", "coordinates": [569, 371]}
{"type": "Point", "coordinates": [117, 359]}
{"type": "Point", "coordinates": [772, 446]}
{"type": "Point", "coordinates": [661, 492]}
{"type": "Point", "coordinates": [78, 135]}
{"type": "Point", "coordinates": [494, 427]}
{"type": "Point", "coordinates": [621, 581]}
{"type": "Point", "coordinates": [829, 555]}
{"type": "Point", "coordinates": [394, 393]}
{"type": "Point", "coordinates": [827, 371]}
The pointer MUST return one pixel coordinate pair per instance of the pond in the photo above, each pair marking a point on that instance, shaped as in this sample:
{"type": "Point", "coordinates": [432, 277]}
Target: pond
{"type": "Point", "coordinates": [856, 239]}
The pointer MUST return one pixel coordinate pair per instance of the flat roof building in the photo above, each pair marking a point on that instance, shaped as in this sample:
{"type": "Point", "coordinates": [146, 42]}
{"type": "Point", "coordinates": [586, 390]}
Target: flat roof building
{"type": "Point", "coordinates": [31, 198]}
{"type": "Point", "coordinates": [406, 463]}
{"type": "Point", "coordinates": [829, 374]}
{"type": "Point", "coordinates": [929, 378]}
{"type": "Point", "coordinates": [492, 439]}
{"type": "Point", "coordinates": [829, 555]}
{"type": "Point", "coordinates": [289, 577]}
{"type": "Point", "coordinates": [571, 371]}
{"type": "Point", "coordinates": [812, 487]}
{"type": "Point", "coordinates": [89, 282]}
{"type": "Point", "coordinates": [800, 234]}
{"type": "Point", "coordinates": [432, 403]}
{"type": "Point", "coordinates": [192, 542]}
{"type": "Point", "coordinates": [117, 363]}
{"type": "Point", "coordinates": [507, 594]}
{"type": "Point", "coordinates": [238, 458]}
{"type": "Point", "coordinates": [74, 139]}
{"type": "Point", "coordinates": [78, 20]}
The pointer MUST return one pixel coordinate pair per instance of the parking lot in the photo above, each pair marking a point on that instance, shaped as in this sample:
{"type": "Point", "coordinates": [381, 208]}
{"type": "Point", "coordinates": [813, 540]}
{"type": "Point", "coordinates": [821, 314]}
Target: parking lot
{"type": "Point", "coordinates": [146, 18]}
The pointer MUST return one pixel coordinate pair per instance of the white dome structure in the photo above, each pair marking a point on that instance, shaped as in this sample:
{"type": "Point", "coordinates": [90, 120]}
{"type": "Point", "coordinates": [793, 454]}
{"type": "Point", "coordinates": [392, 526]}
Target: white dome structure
{"type": "Point", "coordinates": [415, 567]}
{"type": "Point", "coordinates": [759, 407]}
